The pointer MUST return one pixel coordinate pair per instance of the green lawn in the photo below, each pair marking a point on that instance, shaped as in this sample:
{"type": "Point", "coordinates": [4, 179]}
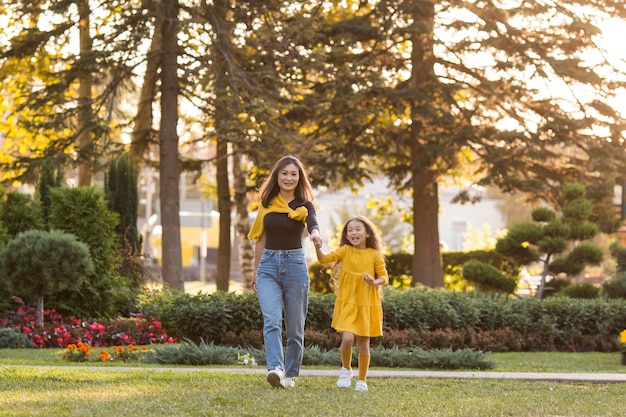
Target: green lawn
{"type": "Point", "coordinates": [140, 390]}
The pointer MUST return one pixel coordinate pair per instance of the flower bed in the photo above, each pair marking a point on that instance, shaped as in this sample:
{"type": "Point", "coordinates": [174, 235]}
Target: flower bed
{"type": "Point", "coordinates": [59, 332]}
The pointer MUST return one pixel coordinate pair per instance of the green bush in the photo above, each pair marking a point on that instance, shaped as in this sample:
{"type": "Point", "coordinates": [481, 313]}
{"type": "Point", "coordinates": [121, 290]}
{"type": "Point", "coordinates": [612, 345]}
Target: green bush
{"type": "Point", "coordinates": [584, 290]}
{"type": "Point", "coordinates": [487, 277]}
{"type": "Point", "coordinates": [189, 353]}
{"type": "Point", "coordinates": [83, 212]}
{"type": "Point", "coordinates": [400, 268]}
{"type": "Point", "coordinates": [19, 213]}
{"type": "Point", "coordinates": [39, 263]}
{"type": "Point", "coordinates": [210, 317]}
{"type": "Point", "coordinates": [416, 318]}
{"type": "Point", "coordinates": [616, 287]}
{"type": "Point", "coordinates": [14, 339]}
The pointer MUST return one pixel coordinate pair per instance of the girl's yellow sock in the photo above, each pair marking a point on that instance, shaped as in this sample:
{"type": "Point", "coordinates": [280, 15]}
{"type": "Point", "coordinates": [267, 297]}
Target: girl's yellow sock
{"type": "Point", "coordinates": [346, 358]}
{"type": "Point", "coordinates": [364, 365]}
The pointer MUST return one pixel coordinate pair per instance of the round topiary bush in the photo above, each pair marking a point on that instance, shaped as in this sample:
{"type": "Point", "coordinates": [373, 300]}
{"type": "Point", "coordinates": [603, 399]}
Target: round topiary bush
{"type": "Point", "coordinates": [39, 263]}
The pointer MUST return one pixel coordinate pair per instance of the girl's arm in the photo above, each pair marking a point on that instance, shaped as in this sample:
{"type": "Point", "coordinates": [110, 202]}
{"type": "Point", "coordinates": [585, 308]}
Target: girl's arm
{"type": "Point", "coordinates": [318, 248]}
{"type": "Point", "coordinates": [374, 282]}
{"type": "Point", "coordinates": [382, 276]}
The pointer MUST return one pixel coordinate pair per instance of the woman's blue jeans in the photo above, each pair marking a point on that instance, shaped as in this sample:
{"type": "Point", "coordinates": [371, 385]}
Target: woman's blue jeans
{"type": "Point", "coordinates": [282, 279]}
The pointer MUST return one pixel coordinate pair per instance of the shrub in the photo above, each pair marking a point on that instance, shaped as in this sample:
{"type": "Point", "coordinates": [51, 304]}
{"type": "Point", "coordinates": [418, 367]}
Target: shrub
{"type": "Point", "coordinates": [412, 318]}
{"type": "Point", "coordinates": [20, 213]}
{"type": "Point", "coordinates": [83, 212]}
{"type": "Point", "coordinates": [42, 263]}
{"type": "Point", "coordinates": [584, 290]}
{"type": "Point", "coordinates": [487, 277]}
{"type": "Point", "coordinates": [58, 331]}
{"type": "Point", "coordinates": [400, 268]}
{"type": "Point", "coordinates": [616, 287]}
{"type": "Point", "coordinates": [210, 317]}
{"type": "Point", "coordinates": [13, 338]}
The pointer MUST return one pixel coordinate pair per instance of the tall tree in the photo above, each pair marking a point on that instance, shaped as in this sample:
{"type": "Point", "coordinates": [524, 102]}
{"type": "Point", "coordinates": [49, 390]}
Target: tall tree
{"type": "Point", "coordinates": [143, 132]}
{"type": "Point", "coordinates": [245, 85]}
{"type": "Point", "coordinates": [64, 101]}
{"type": "Point", "coordinates": [220, 53]}
{"type": "Point", "coordinates": [242, 222]}
{"type": "Point", "coordinates": [85, 85]}
{"type": "Point", "coordinates": [172, 270]}
{"type": "Point", "coordinates": [420, 86]}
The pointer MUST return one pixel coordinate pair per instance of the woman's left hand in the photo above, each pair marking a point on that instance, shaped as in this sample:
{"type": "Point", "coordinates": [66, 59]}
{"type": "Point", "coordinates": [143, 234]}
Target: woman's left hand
{"type": "Point", "coordinates": [317, 241]}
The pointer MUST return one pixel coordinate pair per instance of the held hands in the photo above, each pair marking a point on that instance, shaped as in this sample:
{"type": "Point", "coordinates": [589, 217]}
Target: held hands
{"type": "Point", "coordinates": [317, 241]}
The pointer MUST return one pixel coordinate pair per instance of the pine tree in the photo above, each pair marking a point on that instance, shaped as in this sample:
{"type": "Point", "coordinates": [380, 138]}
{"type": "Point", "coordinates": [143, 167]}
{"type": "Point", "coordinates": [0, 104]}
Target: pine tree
{"type": "Point", "coordinates": [559, 243]}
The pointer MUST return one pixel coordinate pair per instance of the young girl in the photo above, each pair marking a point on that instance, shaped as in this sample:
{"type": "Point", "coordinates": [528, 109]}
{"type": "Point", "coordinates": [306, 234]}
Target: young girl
{"type": "Point", "coordinates": [358, 308]}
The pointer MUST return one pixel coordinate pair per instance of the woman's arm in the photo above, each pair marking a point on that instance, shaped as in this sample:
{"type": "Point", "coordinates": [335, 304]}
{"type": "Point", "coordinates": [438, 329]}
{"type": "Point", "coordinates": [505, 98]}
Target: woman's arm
{"type": "Point", "coordinates": [258, 250]}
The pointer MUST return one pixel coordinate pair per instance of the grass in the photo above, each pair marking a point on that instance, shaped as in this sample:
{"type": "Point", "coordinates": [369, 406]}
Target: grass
{"type": "Point", "coordinates": [139, 390]}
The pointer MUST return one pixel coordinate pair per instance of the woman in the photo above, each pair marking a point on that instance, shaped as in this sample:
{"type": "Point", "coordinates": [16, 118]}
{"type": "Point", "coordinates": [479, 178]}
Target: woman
{"type": "Point", "coordinates": [282, 277]}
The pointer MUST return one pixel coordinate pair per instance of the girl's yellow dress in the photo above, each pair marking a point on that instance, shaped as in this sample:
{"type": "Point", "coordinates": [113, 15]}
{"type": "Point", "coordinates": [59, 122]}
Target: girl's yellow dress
{"type": "Point", "coordinates": [358, 307]}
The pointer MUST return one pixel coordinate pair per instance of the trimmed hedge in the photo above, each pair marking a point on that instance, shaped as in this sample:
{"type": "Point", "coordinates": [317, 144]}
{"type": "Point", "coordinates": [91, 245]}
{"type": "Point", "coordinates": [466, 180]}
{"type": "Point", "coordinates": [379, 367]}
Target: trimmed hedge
{"type": "Point", "coordinates": [400, 269]}
{"type": "Point", "coordinates": [458, 319]}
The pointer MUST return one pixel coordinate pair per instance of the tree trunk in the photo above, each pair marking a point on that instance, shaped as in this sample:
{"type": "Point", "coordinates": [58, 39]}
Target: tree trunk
{"type": "Point", "coordinates": [85, 136]}
{"type": "Point", "coordinates": [242, 223]}
{"type": "Point", "coordinates": [544, 275]}
{"type": "Point", "coordinates": [143, 119]}
{"type": "Point", "coordinates": [40, 311]}
{"type": "Point", "coordinates": [224, 207]}
{"type": "Point", "coordinates": [223, 95]}
{"type": "Point", "coordinates": [427, 268]}
{"type": "Point", "coordinates": [169, 170]}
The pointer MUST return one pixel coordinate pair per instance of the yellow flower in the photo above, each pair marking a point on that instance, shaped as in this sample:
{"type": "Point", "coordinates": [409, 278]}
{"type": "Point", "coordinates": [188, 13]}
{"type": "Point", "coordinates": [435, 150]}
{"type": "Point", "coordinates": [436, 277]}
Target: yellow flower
{"type": "Point", "coordinates": [622, 337]}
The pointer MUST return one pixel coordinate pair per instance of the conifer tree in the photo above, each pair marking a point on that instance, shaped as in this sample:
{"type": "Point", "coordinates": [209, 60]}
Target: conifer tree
{"type": "Point", "coordinates": [560, 243]}
{"type": "Point", "coordinates": [123, 198]}
{"type": "Point", "coordinates": [50, 176]}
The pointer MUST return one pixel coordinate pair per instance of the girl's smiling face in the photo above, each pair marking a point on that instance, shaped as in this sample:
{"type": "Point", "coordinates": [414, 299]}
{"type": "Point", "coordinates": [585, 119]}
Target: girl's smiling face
{"type": "Point", "coordinates": [356, 234]}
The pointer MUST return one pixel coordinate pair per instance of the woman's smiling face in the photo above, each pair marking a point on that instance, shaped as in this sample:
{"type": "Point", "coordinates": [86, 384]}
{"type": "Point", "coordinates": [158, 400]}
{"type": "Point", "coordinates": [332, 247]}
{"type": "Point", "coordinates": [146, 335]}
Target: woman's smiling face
{"type": "Point", "coordinates": [288, 178]}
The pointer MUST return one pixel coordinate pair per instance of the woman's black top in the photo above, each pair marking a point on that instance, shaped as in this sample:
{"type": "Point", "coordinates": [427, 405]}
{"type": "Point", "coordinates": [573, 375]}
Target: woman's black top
{"type": "Point", "coordinates": [282, 233]}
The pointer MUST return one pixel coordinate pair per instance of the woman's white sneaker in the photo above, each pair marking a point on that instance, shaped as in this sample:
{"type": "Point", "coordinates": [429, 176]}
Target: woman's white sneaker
{"type": "Point", "coordinates": [276, 378]}
{"type": "Point", "coordinates": [289, 382]}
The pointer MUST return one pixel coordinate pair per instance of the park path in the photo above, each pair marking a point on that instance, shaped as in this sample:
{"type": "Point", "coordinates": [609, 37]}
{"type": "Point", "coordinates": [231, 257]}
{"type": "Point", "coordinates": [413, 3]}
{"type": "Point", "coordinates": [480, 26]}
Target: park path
{"type": "Point", "coordinates": [375, 373]}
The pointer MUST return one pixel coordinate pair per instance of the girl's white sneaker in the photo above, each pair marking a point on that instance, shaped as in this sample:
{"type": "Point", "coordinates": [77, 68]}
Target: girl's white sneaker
{"type": "Point", "coordinates": [344, 378]}
{"type": "Point", "coordinates": [360, 386]}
